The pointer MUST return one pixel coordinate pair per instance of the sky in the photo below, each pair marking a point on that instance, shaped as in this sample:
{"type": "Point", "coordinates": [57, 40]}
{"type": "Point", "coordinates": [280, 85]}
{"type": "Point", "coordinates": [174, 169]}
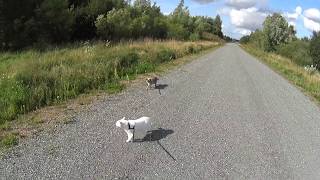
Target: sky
{"type": "Point", "coordinates": [240, 17]}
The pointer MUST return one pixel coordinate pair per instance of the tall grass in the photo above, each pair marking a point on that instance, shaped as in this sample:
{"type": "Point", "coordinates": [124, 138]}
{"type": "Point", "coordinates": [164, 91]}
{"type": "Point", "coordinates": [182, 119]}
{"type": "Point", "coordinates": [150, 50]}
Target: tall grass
{"type": "Point", "coordinates": [30, 79]}
{"type": "Point", "coordinates": [309, 81]}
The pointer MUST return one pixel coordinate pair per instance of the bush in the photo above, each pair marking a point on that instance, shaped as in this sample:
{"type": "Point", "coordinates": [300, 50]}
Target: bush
{"type": "Point", "coordinates": [257, 39]}
{"type": "Point", "coordinates": [165, 55]}
{"type": "Point", "coordinates": [297, 51]}
{"type": "Point", "coordinates": [315, 49]}
{"type": "Point", "coordinates": [194, 37]}
{"type": "Point", "coordinates": [115, 25]}
{"type": "Point", "coordinates": [125, 61]}
{"type": "Point", "coordinates": [245, 39]}
{"type": "Point", "coordinates": [210, 37]}
{"type": "Point", "coordinates": [145, 67]}
{"type": "Point", "coordinates": [193, 49]}
{"type": "Point", "coordinates": [177, 31]}
{"type": "Point", "coordinates": [12, 97]}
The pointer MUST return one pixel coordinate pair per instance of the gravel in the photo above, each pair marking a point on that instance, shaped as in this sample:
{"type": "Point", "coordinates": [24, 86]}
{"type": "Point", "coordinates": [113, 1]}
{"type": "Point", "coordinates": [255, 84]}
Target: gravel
{"type": "Point", "coordinates": [222, 116]}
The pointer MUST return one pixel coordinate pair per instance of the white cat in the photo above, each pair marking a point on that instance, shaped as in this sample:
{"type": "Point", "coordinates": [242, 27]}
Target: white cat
{"type": "Point", "coordinates": [142, 125]}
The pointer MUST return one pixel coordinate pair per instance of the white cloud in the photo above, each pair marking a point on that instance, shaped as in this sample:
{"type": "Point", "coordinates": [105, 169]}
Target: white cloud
{"type": "Point", "coordinates": [204, 1]}
{"type": "Point", "coordinates": [247, 19]}
{"type": "Point", "coordinates": [245, 15]}
{"type": "Point", "coordinates": [312, 14]}
{"type": "Point", "coordinates": [311, 19]}
{"type": "Point", "coordinates": [243, 32]}
{"type": "Point", "coordinates": [311, 25]}
{"type": "Point", "coordinates": [293, 17]}
{"type": "Point", "coordinates": [241, 4]}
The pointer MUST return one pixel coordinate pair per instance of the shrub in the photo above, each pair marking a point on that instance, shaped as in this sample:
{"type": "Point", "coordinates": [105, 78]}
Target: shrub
{"type": "Point", "coordinates": [115, 25]}
{"type": "Point", "coordinates": [125, 61]}
{"type": "Point", "coordinates": [194, 37]}
{"type": "Point", "coordinates": [193, 49]}
{"type": "Point", "coordinates": [177, 31]}
{"type": "Point", "coordinates": [297, 51]}
{"type": "Point", "coordinates": [315, 49]}
{"type": "Point", "coordinates": [144, 67]}
{"type": "Point", "coordinates": [245, 39]}
{"type": "Point", "coordinates": [210, 37]}
{"type": "Point", "coordinates": [165, 55]}
{"type": "Point", "coordinates": [12, 97]}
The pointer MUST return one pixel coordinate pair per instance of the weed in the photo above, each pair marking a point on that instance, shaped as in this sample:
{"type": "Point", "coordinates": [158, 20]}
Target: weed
{"type": "Point", "coordinates": [9, 140]}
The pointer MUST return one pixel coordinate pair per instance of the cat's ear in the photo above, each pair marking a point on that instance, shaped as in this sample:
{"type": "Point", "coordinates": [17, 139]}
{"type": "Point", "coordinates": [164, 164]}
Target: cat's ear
{"type": "Point", "coordinates": [123, 118]}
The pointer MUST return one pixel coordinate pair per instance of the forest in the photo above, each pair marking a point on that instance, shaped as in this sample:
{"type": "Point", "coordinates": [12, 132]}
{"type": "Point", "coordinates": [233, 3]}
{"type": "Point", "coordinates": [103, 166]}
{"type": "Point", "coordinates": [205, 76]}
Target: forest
{"type": "Point", "coordinates": [41, 23]}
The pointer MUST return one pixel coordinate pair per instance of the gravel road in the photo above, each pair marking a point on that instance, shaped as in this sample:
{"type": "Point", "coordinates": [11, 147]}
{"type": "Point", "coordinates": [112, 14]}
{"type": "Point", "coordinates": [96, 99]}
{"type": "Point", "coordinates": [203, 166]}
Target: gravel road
{"type": "Point", "coordinates": [222, 116]}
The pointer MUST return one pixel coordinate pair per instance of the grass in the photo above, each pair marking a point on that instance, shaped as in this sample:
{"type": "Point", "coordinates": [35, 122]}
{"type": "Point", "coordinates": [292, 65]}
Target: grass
{"type": "Point", "coordinates": [30, 80]}
{"type": "Point", "coordinates": [9, 140]}
{"type": "Point", "coordinates": [308, 81]}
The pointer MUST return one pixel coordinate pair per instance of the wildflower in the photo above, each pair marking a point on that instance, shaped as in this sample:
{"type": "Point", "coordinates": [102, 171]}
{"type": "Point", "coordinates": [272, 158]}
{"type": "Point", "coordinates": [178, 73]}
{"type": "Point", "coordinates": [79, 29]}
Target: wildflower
{"type": "Point", "coordinates": [310, 69]}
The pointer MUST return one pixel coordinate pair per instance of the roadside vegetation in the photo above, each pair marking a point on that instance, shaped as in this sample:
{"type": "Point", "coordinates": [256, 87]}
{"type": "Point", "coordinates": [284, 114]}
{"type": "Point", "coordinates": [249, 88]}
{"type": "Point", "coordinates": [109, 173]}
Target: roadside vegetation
{"type": "Point", "coordinates": [296, 59]}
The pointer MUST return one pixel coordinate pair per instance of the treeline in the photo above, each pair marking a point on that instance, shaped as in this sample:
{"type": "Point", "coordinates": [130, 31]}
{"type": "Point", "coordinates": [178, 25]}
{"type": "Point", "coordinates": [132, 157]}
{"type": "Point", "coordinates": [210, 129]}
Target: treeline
{"type": "Point", "coordinates": [36, 23]}
{"type": "Point", "coordinates": [280, 37]}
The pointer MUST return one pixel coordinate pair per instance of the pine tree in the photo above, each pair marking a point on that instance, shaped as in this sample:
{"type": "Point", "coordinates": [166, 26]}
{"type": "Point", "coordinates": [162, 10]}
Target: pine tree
{"type": "Point", "coordinates": [142, 3]}
{"type": "Point", "coordinates": [2, 23]}
{"type": "Point", "coordinates": [180, 8]}
{"type": "Point", "coordinates": [217, 26]}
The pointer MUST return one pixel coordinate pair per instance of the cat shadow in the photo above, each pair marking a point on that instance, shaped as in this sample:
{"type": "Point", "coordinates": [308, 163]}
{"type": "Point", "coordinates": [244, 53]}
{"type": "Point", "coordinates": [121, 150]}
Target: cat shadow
{"type": "Point", "coordinates": [155, 135]}
{"type": "Point", "coordinates": [161, 87]}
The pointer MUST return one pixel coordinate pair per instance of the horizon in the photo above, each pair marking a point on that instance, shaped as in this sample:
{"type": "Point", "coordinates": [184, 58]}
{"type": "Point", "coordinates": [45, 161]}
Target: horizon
{"type": "Point", "coordinates": [241, 17]}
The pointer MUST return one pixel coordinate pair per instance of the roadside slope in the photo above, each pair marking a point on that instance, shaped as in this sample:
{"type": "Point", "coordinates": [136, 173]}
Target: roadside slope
{"type": "Point", "coordinates": [225, 115]}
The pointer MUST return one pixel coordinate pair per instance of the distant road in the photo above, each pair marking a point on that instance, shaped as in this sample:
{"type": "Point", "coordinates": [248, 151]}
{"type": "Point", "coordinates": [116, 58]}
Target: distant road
{"type": "Point", "coordinates": [223, 116]}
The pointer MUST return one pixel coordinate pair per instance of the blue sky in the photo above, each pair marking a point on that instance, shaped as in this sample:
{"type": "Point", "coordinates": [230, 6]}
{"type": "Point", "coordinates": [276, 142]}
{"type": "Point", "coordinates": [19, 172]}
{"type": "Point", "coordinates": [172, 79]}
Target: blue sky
{"type": "Point", "coordinates": [240, 17]}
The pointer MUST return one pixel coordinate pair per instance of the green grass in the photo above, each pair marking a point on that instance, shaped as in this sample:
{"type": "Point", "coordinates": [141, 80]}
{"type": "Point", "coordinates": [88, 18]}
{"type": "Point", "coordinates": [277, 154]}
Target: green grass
{"type": "Point", "coordinates": [9, 140]}
{"type": "Point", "coordinates": [309, 82]}
{"type": "Point", "coordinates": [30, 80]}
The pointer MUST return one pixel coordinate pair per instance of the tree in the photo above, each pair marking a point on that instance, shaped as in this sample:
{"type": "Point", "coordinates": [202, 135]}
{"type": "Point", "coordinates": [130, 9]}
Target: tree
{"type": "Point", "coordinates": [201, 25]}
{"type": "Point", "coordinates": [180, 22]}
{"type": "Point", "coordinates": [257, 39]}
{"type": "Point", "coordinates": [217, 26]}
{"type": "Point", "coordinates": [244, 39]}
{"type": "Point", "coordinates": [14, 15]}
{"type": "Point", "coordinates": [86, 13]}
{"type": "Point", "coordinates": [55, 20]}
{"type": "Point", "coordinates": [292, 33]}
{"type": "Point", "coordinates": [180, 9]}
{"type": "Point", "coordinates": [142, 3]}
{"type": "Point", "coordinates": [276, 31]}
{"type": "Point", "coordinates": [2, 25]}
{"type": "Point", "coordinates": [315, 49]}
{"type": "Point", "coordinates": [115, 25]}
